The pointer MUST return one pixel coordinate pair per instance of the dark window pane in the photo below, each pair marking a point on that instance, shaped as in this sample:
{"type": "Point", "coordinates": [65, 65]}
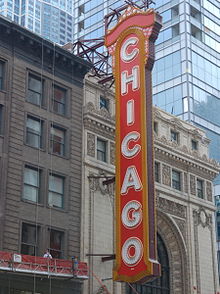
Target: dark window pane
{"type": "Point", "coordinates": [56, 244]}
{"type": "Point", "coordinates": [59, 100]}
{"type": "Point", "coordinates": [174, 136]}
{"type": "Point", "coordinates": [56, 191]}
{"type": "Point", "coordinates": [200, 188]}
{"type": "Point", "coordinates": [34, 132]}
{"type": "Point", "coordinates": [31, 184]}
{"type": "Point", "coordinates": [29, 239]}
{"type": "Point", "coordinates": [156, 172]}
{"type": "Point", "coordinates": [34, 90]}
{"type": "Point", "coordinates": [101, 150]}
{"type": "Point", "coordinates": [104, 103]}
{"type": "Point", "coordinates": [1, 119]}
{"type": "Point", "coordinates": [1, 74]}
{"type": "Point", "coordinates": [57, 140]}
{"type": "Point", "coordinates": [176, 180]}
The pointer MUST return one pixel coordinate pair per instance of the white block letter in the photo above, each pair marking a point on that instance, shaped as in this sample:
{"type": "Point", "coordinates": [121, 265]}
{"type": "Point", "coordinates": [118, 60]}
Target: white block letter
{"type": "Point", "coordinates": [131, 179]}
{"type": "Point", "coordinates": [132, 251]}
{"type": "Point", "coordinates": [125, 56]}
{"type": "Point", "coordinates": [126, 151]}
{"type": "Point", "coordinates": [133, 78]}
{"type": "Point", "coordinates": [132, 214]}
{"type": "Point", "coordinates": [130, 112]}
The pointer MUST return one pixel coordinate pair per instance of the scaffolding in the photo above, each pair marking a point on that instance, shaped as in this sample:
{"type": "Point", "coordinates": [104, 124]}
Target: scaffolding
{"type": "Point", "coordinates": [60, 268]}
{"type": "Point", "coordinates": [93, 51]}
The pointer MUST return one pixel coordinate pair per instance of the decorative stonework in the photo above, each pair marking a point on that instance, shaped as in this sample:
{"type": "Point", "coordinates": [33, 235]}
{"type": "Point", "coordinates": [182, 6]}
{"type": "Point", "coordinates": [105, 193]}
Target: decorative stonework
{"type": "Point", "coordinates": [178, 261]}
{"type": "Point", "coordinates": [192, 185]}
{"type": "Point", "coordinates": [103, 113]}
{"type": "Point", "coordinates": [96, 184]}
{"type": "Point", "coordinates": [171, 207]}
{"type": "Point", "coordinates": [182, 227]}
{"type": "Point", "coordinates": [91, 144]}
{"type": "Point", "coordinates": [185, 183]}
{"type": "Point", "coordinates": [202, 218]}
{"type": "Point", "coordinates": [166, 175]}
{"type": "Point", "coordinates": [112, 153]}
{"type": "Point", "coordinates": [209, 191]}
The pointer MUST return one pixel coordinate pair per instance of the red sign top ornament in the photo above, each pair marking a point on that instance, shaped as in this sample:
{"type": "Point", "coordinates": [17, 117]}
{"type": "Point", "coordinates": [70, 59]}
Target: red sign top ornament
{"type": "Point", "coordinates": [131, 44]}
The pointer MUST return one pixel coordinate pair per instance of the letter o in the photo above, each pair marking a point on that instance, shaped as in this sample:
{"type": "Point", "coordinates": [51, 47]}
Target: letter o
{"type": "Point", "coordinates": [132, 251]}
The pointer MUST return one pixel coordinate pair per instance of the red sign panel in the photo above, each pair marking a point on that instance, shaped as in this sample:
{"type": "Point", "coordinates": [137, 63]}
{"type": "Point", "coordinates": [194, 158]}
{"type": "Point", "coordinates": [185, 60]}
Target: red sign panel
{"type": "Point", "coordinates": [131, 44]}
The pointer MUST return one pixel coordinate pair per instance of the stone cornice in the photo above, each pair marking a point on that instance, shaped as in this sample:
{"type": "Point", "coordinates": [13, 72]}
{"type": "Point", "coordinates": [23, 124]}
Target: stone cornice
{"type": "Point", "coordinates": [179, 125]}
{"type": "Point", "coordinates": [98, 127]}
{"type": "Point", "coordinates": [99, 120]}
{"type": "Point", "coordinates": [185, 156]}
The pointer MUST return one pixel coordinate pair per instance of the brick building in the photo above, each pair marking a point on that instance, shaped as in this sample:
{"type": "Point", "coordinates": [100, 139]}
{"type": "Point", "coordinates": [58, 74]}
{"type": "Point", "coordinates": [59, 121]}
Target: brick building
{"type": "Point", "coordinates": [41, 98]}
{"type": "Point", "coordinates": [185, 207]}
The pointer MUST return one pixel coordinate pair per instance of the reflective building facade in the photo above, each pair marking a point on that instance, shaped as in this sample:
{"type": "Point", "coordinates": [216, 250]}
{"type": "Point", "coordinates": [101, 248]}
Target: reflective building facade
{"type": "Point", "coordinates": [186, 75]}
{"type": "Point", "coordinates": [52, 19]}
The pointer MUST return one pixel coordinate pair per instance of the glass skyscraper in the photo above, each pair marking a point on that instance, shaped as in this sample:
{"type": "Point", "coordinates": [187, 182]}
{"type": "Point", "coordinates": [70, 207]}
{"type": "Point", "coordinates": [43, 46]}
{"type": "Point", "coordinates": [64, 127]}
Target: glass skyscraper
{"type": "Point", "coordinates": [52, 19]}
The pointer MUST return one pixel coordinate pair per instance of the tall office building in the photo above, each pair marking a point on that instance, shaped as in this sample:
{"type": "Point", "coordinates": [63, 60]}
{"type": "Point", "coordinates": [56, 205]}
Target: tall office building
{"type": "Point", "coordinates": [186, 74]}
{"type": "Point", "coordinates": [52, 19]}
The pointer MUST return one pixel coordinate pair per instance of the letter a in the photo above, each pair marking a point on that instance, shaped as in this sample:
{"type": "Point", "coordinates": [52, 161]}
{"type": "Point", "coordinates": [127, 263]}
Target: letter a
{"type": "Point", "coordinates": [131, 179]}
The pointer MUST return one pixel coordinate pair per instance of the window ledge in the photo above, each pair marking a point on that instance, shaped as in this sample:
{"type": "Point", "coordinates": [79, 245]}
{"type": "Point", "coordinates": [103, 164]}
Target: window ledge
{"type": "Point", "coordinates": [60, 209]}
{"type": "Point", "coordinates": [37, 105]}
{"type": "Point", "coordinates": [36, 148]}
{"type": "Point", "coordinates": [32, 202]}
{"type": "Point", "coordinates": [60, 156]}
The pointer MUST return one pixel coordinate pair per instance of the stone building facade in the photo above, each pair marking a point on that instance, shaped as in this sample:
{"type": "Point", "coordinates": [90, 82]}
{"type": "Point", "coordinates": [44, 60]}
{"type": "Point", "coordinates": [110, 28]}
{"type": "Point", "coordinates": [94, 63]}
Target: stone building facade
{"type": "Point", "coordinates": [41, 97]}
{"type": "Point", "coordinates": [185, 208]}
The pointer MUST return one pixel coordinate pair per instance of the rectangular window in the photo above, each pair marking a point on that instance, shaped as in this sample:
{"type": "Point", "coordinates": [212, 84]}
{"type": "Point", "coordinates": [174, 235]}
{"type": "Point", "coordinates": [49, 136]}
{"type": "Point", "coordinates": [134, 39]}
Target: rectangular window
{"type": "Point", "coordinates": [104, 103]}
{"type": "Point", "coordinates": [56, 191]}
{"type": "Point", "coordinates": [156, 127]}
{"type": "Point", "coordinates": [101, 150]}
{"type": "Point", "coordinates": [156, 172]}
{"type": "Point", "coordinates": [1, 119]}
{"type": "Point", "coordinates": [200, 192]}
{"type": "Point", "coordinates": [174, 136]}
{"type": "Point", "coordinates": [194, 145]}
{"type": "Point", "coordinates": [2, 75]}
{"type": "Point", "coordinates": [56, 243]}
{"type": "Point", "coordinates": [176, 184]}
{"type": "Point", "coordinates": [35, 89]}
{"type": "Point", "coordinates": [59, 100]}
{"type": "Point", "coordinates": [57, 140]}
{"type": "Point", "coordinates": [31, 189]}
{"type": "Point", "coordinates": [29, 239]}
{"type": "Point", "coordinates": [34, 132]}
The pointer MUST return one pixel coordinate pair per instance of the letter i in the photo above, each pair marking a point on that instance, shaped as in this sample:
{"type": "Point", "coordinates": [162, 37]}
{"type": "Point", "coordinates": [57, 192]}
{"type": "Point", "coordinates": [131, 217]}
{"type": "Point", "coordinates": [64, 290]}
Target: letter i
{"type": "Point", "coordinates": [130, 112]}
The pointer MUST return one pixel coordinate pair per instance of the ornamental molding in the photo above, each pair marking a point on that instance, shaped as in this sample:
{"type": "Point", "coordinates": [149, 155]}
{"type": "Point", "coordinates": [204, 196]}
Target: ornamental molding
{"type": "Point", "coordinates": [176, 124]}
{"type": "Point", "coordinates": [201, 217]}
{"type": "Point", "coordinates": [98, 128]}
{"type": "Point", "coordinates": [102, 113]}
{"type": "Point", "coordinates": [184, 156]}
{"type": "Point", "coordinates": [181, 224]}
{"type": "Point", "coordinates": [171, 207]}
{"type": "Point", "coordinates": [96, 183]}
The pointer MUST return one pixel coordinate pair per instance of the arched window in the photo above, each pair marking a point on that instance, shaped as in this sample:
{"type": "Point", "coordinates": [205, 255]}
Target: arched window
{"type": "Point", "coordinates": [161, 285]}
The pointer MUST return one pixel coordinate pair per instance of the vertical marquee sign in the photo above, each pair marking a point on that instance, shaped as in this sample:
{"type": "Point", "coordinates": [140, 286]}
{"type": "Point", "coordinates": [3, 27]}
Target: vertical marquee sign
{"type": "Point", "coordinates": [131, 44]}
